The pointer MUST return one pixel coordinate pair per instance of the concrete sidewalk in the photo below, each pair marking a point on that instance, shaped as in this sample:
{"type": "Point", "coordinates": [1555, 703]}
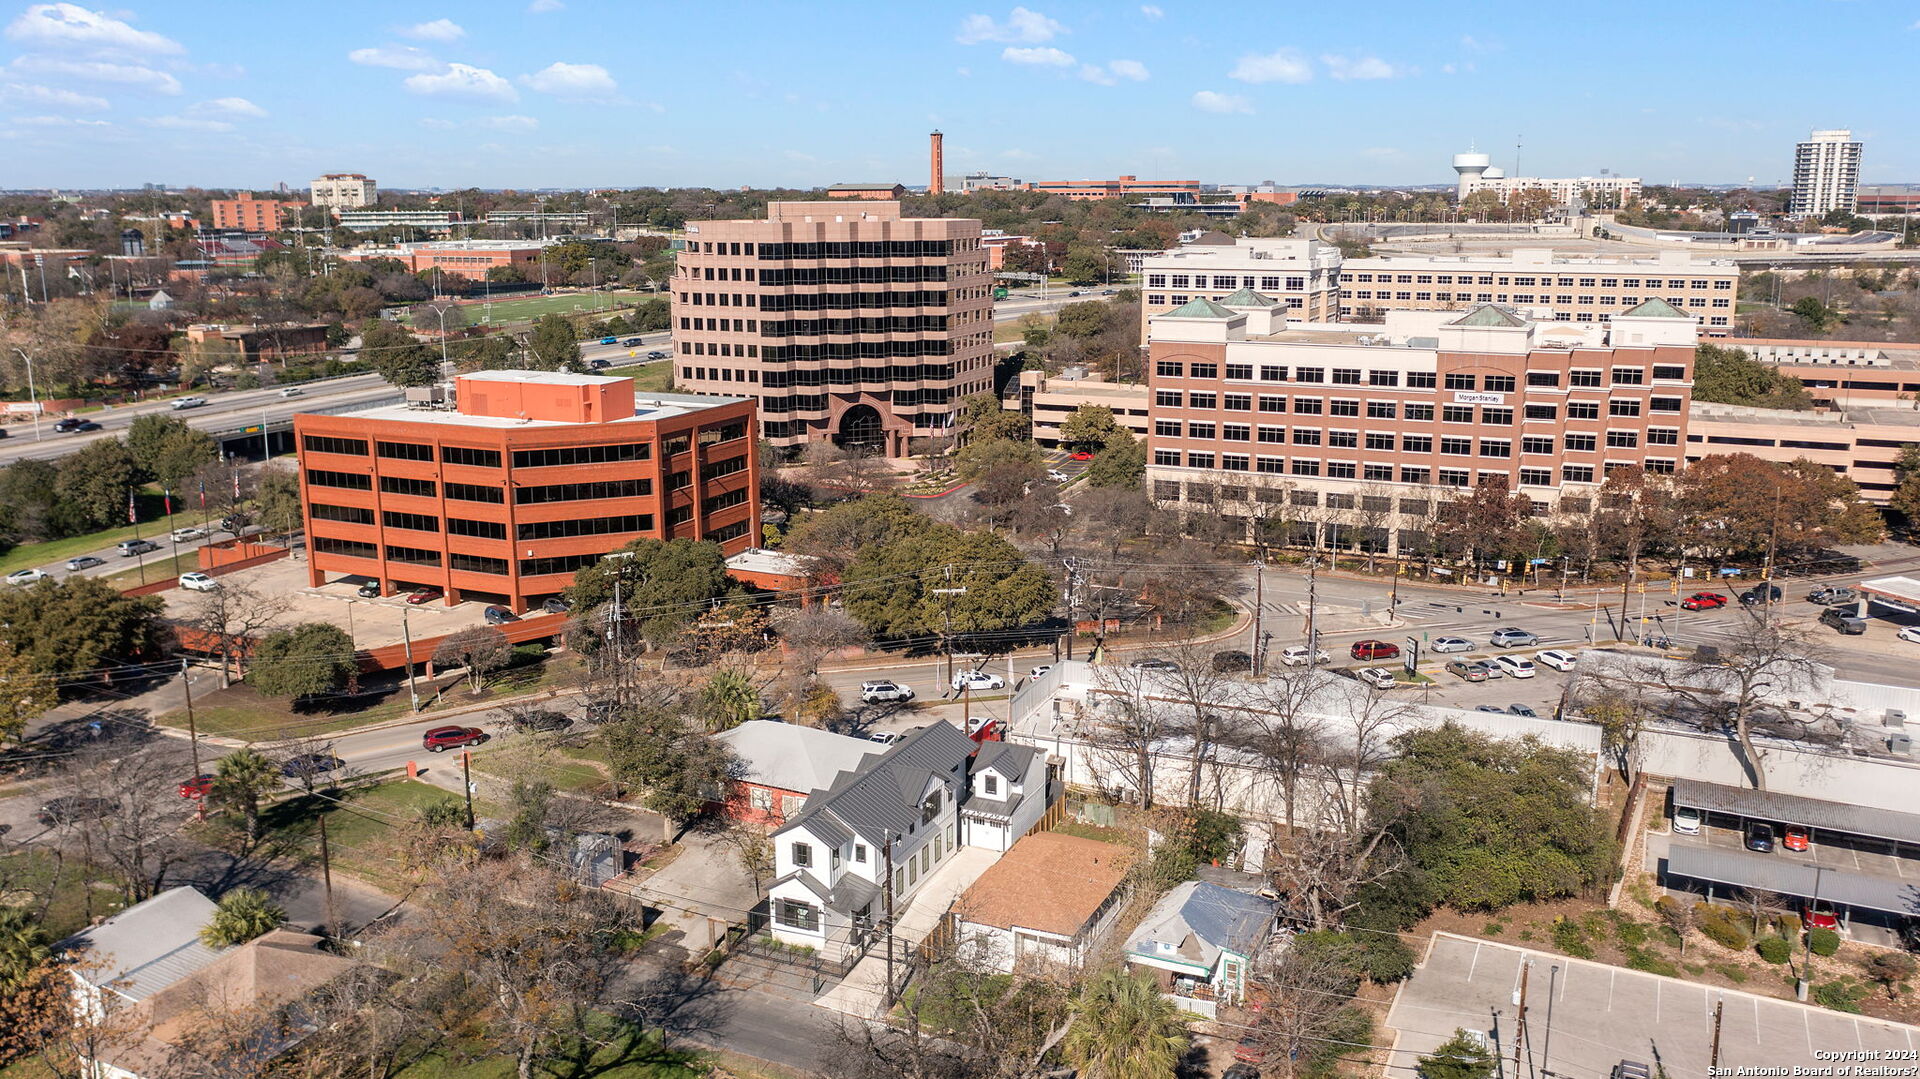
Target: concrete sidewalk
{"type": "Point", "coordinates": [863, 992]}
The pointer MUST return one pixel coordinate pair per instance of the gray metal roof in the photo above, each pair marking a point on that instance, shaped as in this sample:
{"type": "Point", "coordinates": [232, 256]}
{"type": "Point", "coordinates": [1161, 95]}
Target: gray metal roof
{"type": "Point", "coordinates": [150, 945]}
{"type": "Point", "coordinates": [1744, 869]}
{"type": "Point", "coordinates": [1204, 920]}
{"type": "Point", "coordinates": [1793, 809]}
{"type": "Point", "coordinates": [1007, 758]}
{"type": "Point", "coordinates": [884, 798]}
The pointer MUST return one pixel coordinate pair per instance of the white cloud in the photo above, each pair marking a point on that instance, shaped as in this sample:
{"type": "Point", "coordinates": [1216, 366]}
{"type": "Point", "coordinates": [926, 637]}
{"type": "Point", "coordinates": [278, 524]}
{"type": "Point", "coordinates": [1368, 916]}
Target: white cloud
{"type": "Point", "coordinates": [963, 72]}
{"type": "Point", "coordinates": [1114, 71]}
{"type": "Point", "coordinates": [47, 97]}
{"type": "Point", "coordinates": [72, 26]}
{"type": "Point", "coordinates": [232, 108]}
{"type": "Point", "coordinates": [1281, 65]}
{"type": "Point", "coordinates": [579, 82]}
{"type": "Point", "coordinates": [437, 123]}
{"type": "Point", "coordinates": [1360, 67]}
{"type": "Point", "coordinates": [1022, 27]}
{"type": "Point", "coordinates": [1044, 57]}
{"type": "Point", "coordinates": [1152, 11]}
{"type": "Point", "coordinates": [1208, 101]}
{"type": "Point", "coordinates": [1446, 69]}
{"type": "Point", "coordinates": [518, 125]}
{"type": "Point", "coordinates": [96, 71]}
{"type": "Point", "coordinates": [463, 80]}
{"type": "Point", "coordinates": [541, 7]}
{"type": "Point", "coordinates": [1474, 44]}
{"type": "Point", "coordinates": [398, 57]}
{"type": "Point", "coordinates": [58, 121]}
{"type": "Point", "coordinates": [186, 123]}
{"type": "Point", "coordinates": [437, 30]}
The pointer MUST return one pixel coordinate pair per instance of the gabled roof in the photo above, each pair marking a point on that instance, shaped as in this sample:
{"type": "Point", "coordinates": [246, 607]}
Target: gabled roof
{"type": "Point", "coordinates": [1487, 315]}
{"type": "Point", "coordinates": [281, 966]}
{"type": "Point", "coordinates": [1047, 881]}
{"type": "Point", "coordinates": [1202, 920]}
{"type": "Point", "coordinates": [794, 758]}
{"type": "Point", "coordinates": [150, 945]}
{"type": "Point", "coordinates": [1653, 307]}
{"type": "Point", "coordinates": [1007, 758]}
{"type": "Point", "coordinates": [1199, 307]}
{"type": "Point", "coordinates": [883, 798]}
{"type": "Point", "coordinates": [1246, 297]}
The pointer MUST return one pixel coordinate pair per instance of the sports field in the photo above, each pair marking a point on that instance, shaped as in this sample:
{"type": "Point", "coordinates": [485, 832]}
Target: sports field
{"type": "Point", "coordinates": [531, 307]}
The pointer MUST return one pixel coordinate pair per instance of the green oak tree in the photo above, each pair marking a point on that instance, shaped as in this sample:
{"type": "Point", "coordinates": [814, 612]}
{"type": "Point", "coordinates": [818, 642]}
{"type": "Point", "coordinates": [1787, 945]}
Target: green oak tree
{"type": "Point", "coordinates": [400, 359]}
{"type": "Point", "coordinates": [305, 661]}
{"type": "Point", "coordinates": [555, 346]}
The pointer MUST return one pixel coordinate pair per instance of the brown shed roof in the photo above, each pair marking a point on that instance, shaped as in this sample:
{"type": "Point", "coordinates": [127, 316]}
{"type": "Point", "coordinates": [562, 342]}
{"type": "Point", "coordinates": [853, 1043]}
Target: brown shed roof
{"type": "Point", "coordinates": [1051, 882]}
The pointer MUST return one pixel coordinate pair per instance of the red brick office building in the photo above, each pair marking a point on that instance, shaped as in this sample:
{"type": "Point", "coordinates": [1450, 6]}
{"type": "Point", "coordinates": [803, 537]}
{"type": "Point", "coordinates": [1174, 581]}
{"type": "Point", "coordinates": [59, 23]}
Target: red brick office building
{"type": "Point", "coordinates": [531, 476]}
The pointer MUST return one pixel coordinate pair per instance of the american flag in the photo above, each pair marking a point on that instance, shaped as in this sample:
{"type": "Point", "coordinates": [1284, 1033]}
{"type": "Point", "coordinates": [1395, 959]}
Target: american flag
{"type": "Point", "coordinates": [167, 494]}
{"type": "Point", "coordinates": [132, 517]}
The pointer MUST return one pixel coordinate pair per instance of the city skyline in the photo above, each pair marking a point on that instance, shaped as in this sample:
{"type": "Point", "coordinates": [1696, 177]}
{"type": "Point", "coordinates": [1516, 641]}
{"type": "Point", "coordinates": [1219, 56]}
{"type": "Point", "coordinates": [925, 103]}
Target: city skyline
{"type": "Point", "coordinates": [542, 94]}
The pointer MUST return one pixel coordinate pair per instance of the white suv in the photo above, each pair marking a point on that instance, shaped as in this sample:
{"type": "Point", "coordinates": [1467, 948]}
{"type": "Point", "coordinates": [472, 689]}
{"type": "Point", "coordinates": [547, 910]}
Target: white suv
{"type": "Point", "coordinates": [1514, 666]}
{"type": "Point", "coordinates": [198, 582]}
{"type": "Point", "coordinates": [977, 680]}
{"type": "Point", "coordinates": [1558, 658]}
{"type": "Point", "coordinates": [1296, 656]}
{"type": "Point", "coordinates": [884, 692]}
{"type": "Point", "coordinates": [180, 403]}
{"type": "Point", "coordinates": [1377, 677]}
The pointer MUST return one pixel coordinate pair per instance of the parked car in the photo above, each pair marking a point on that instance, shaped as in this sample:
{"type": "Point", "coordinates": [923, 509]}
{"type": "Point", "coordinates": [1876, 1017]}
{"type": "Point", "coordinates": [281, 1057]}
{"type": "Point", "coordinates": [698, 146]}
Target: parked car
{"type": "Point", "coordinates": [1833, 595]}
{"type": "Point", "coordinates": [540, 720]}
{"type": "Point", "coordinates": [886, 738]}
{"type": "Point", "coordinates": [1819, 916]}
{"type": "Point", "coordinates": [1759, 837]}
{"type": "Point", "coordinates": [292, 391]}
{"type": "Point", "coordinates": [197, 787]}
{"type": "Point", "coordinates": [884, 692]}
{"type": "Point", "coordinates": [441, 739]}
{"type": "Point", "coordinates": [977, 680]}
{"type": "Point", "coordinates": [368, 590]}
{"type": "Point", "coordinates": [1467, 669]}
{"type": "Point", "coordinates": [497, 615]}
{"type": "Point", "coordinates": [1849, 625]}
{"type": "Point", "coordinates": [72, 808]}
{"type": "Point", "coordinates": [1909, 633]}
{"type": "Point", "coordinates": [556, 605]}
{"type": "Point", "coordinates": [1510, 637]}
{"type": "Point", "coordinates": [1082, 455]}
{"type": "Point", "coordinates": [1522, 710]}
{"type": "Point", "coordinates": [1377, 677]}
{"type": "Point", "coordinates": [1493, 671]}
{"type": "Point", "coordinates": [23, 577]}
{"type": "Point", "coordinates": [1686, 820]}
{"type": "Point", "coordinates": [180, 403]}
{"type": "Point", "coordinates": [1450, 644]}
{"type": "Point", "coordinates": [1231, 662]}
{"type": "Point", "coordinates": [198, 582]}
{"type": "Point", "coordinates": [1493, 709]}
{"type": "Point", "coordinates": [187, 534]}
{"type": "Point", "coordinates": [1154, 665]}
{"type": "Point", "coordinates": [129, 548]}
{"type": "Point", "coordinates": [1796, 838]}
{"type": "Point", "coordinates": [1040, 670]}
{"type": "Point", "coordinates": [310, 765]}
{"type": "Point", "coordinates": [1374, 650]}
{"type": "Point", "coordinates": [1761, 593]}
{"type": "Point", "coordinates": [1703, 601]}
{"type": "Point", "coordinates": [1514, 666]}
{"type": "Point", "coordinates": [1558, 658]}
{"type": "Point", "coordinates": [1296, 656]}
{"type": "Point", "coordinates": [423, 595]}
{"type": "Point", "coordinates": [1057, 476]}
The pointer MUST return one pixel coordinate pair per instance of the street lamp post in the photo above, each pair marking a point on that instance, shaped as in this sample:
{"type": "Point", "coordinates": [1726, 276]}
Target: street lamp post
{"type": "Point", "coordinates": [33, 392]}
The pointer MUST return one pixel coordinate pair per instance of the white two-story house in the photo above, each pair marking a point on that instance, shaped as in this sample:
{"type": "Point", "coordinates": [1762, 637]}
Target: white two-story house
{"type": "Point", "coordinates": [901, 815]}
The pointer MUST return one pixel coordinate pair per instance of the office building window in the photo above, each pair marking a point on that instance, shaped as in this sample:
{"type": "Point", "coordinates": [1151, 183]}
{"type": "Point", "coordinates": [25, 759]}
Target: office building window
{"type": "Point", "coordinates": [405, 451]}
{"type": "Point", "coordinates": [1536, 477]}
{"type": "Point", "coordinates": [1203, 370]}
{"type": "Point", "coordinates": [1670, 372]}
{"type": "Point", "coordinates": [1410, 474]}
{"type": "Point", "coordinates": [1623, 439]}
{"type": "Point", "coordinates": [1543, 412]}
{"type": "Point", "coordinates": [1235, 432]}
{"type": "Point", "coordinates": [1199, 430]}
{"type": "Point", "coordinates": [1498, 384]}
{"type": "Point", "coordinates": [468, 455]}
{"type": "Point", "coordinates": [1307, 406]}
{"type": "Point", "coordinates": [1169, 398]}
{"type": "Point", "coordinates": [1416, 443]}
{"type": "Point", "coordinates": [1169, 369]}
{"type": "Point", "coordinates": [590, 526]}
{"type": "Point", "coordinates": [1576, 474]}
{"type": "Point", "coordinates": [1456, 381]}
{"type": "Point", "coordinates": [1309, 374]}
{"type": "Point", "coordinates": [1628, 376]}
{"type": "Point", "coordinates": [1583, 410]}
{"type": "Point", "coordinates": [351, 447]}
{"type": "Point", "coordinates": [352, 481]}
{"type": "Point", "coordinates": [1456, 413]}
{"type": "Point", "coordinates": [1306, 468]}
{"type": "Point", "coordinates": [1271, 373]}
{"type": "Point", "coordinates": [1544, 379]}
{"type": "Point", "coordinates": [1170, 458]}
{"type": "Point", "coordinates": [1271, 465]}
{"type": "Point", "coordinates": [471, 492]}
{"type": "Point", "coordinates": [1272, 403]}
{"type": "Point", "coordinates": [1623, 406]}
{"type": "Point", "coordinates": [1381, 410]}
{"type": "Point", "coordinates": [1583, 378]}
{"type": "Point", "coordinates": [1379, 441]}
{"type": "Point", "coordinates": [352, 515]}
{"type": "Point", "coordinates": [1498, 417]}
{"type": "Point", "coordinates": [583, 455]}
{"type": "Point", "coordinates": [1421, 380]}
{"type": "Point", "coordinates": [1496, 447]}
{"type": "Point", "coordinates": [1199, 460]}
{"type": "Point", "coordinates": [1202, 399]}
{"type": "Point", "coordinates": [1243, 371]}
{"type": "Point", "coordinates": [1536, 444]}
{"type": "Point", "coordinates": [472, 563]}
{"type": "Point", "coordinates": [344, 547]}
{"type": "Point", "coordinates": [1461, 447]}
{"type": "Point", "coordinates": [1233, 462]}
{"type": "Point", "coordinates": [418, 522]}
{"type": "Point", "coordinates": [460, 526]}
{"type": "Point", "coordinates": [415, 556]}
{"type": "Point", "coordinates": [1383, 378]}
{"type": "Point", "coordinates": [575, 492]}
{"type": "Point", "coordinates": [1581, 443]}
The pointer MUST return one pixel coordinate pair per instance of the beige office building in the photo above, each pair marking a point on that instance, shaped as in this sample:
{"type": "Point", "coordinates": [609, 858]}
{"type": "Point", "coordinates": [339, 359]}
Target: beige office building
{"type": "Point", "coordinates": [844, 320]}
{"type": "Point", "coordinates": [345, 191]}
{"type": "Point", "coordinates": [1303, 276]}
{"type": "Point", "coordinates": [1551, 287]}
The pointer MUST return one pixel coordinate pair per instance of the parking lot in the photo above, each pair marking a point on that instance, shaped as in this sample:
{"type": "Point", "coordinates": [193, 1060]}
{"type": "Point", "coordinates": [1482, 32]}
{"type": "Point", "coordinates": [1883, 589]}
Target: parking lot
{"type": "Point", "coordinates": [373, 622]}
{"type": "Point", "coordinates": [1850, 853]}
{"type": "Point", "coordinates": [1602, 1014]}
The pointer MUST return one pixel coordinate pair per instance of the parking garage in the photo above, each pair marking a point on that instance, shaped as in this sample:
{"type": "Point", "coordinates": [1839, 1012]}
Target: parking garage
{"type": "Point", "coordinates": [1862, 862]}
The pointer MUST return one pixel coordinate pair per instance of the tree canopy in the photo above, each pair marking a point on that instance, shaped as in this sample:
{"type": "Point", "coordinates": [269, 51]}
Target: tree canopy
{"type": "Point", "coordinates": [889, 584]}
{"type": "Point", "coordinates": [78, 626]}
{"type": "Point", "coordinates": [401, 360]}
{"type": "Point", "coordinates": [308, 660]}
{"type": "Point", "coordinates": [1729, 376]}
{"type": "Point", "coordinates": [555, 346]}
{"type": "Point", "coordinates": [663, 584]}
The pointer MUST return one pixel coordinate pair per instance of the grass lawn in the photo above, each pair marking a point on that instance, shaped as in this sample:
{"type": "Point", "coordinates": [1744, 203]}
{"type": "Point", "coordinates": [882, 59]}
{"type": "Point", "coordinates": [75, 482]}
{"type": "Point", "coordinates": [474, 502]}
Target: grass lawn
{"type": "Point", "coordinates": [37, 873]}
{"type": "Point", "coordinates": [157, 566]}
{"type": "Point", "coordinates": [1121, 836]}
{"type": "Point", "coordinates": [1004, 332]}
{"type": "Point", "coordinates": [615, 1051]}
{"type": "Point", "coordinates": [154, 525]}
{"type": "Point", "coordinates": [575, 775]}
{"type": "Point", "coordinates": [358, 832]}
{"type": "Point", "coordinates": [655, 376]}
{"type": "Point", "coordinates": [240, 712]}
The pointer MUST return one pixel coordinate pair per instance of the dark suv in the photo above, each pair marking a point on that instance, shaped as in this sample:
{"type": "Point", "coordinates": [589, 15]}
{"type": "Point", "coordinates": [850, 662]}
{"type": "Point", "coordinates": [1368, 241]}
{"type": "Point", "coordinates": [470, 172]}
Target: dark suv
{"type": "Point", "coordinates": [1761, 593]}
{"type": "Point", "coordinates": [74, 808]}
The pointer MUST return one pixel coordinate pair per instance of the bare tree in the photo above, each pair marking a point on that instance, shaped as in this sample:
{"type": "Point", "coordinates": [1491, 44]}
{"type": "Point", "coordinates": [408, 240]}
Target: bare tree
{"type": "Point", "coordinates": [1309, 986]}
{"type": "Point", "coordinates": [1287, 736]}
{"type": "Point", "coordinates": [1198, 694]}
{"type": "Point", "coordinates": [231, 616]}
{"type": "Point", "coordinates": [1129, 721]}
{"type": "Point", "coordinates": [752, 848]}
{"type": "Point", "coordinates": [480, 649]}
{"type": "Point", "coordinates": [1623, 708]}
{"type": "Point", "coordinates": [848, 468]}
{"type": "Point", "coordinates": [136, 835]}
{"type": "Point", "coordinates": [811, 634]}
{"type": "Point", "coordinates": [1762, 659]}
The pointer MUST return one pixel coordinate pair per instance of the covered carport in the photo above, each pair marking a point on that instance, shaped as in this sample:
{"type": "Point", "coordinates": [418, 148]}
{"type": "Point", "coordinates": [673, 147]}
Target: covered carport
{"type": "Point", "coordinates": [1885, 902]}
{"type": "Point", "coordinates": [1900, 593]}
{"type": "Point", "coordinates": [1832, 823]}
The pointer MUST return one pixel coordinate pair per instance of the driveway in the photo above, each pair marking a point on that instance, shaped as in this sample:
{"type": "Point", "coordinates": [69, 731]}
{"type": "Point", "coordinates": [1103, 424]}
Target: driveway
{"type": "Point", "coordinates": [702, 886]}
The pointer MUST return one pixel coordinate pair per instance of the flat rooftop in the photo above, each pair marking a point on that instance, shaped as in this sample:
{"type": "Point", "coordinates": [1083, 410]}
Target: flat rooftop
{"type": "Point", "coordinates": [550, 378]}
{"type": "Point", "coordinates": [658, 407]}
{"type": "Point", "coordinates": [1522, 258]}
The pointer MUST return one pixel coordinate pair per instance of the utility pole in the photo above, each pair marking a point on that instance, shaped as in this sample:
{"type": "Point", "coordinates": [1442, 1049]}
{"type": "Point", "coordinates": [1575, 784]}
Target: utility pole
{"type": "Point", "coordinates": [946, 612]}
{"type": "Point", "coordinates": [886, 882]}
{"type": "Point", "coordinates": [1073, 596]}
{"type": "Point", "coordinates": [1313, 635]}
{"type": "Point", "coordinates": [1713, 1054]}
{"type": "Point", "coordinates": [1546, 1044]}
{"type": "Point", "coordinates": [407, 636]}
{"type": "Point", "coordinates": [1259, 608]}
{"type": "Point", "coordinates": [1520, 1026]}
{"type": "Point", "coordinates": [193, 731]}
{"type": "Point", "coordinates": [326, 876]}
{"type": "Point", "coordinates": [466, 782]}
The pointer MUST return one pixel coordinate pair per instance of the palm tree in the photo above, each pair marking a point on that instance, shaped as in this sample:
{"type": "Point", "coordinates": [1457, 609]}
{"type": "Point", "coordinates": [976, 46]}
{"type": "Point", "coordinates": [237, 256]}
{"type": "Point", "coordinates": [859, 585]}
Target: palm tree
{"type": "Point", "coordinates": [1123, 1028]}
{"type": "Point", "coordinates": [23, 947]}
{"type": "Point", "coordinates": [729, 699]}
{"type": "Point", "coordinates": [241, 915]}
{"type": "Point", "coordinates": [242, 778]}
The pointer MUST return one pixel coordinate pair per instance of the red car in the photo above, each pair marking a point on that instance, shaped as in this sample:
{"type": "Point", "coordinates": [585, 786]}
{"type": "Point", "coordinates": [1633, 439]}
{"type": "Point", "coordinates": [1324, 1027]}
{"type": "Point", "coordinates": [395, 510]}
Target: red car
{"type": "Point", "coordinates": [1795, 837]}
{"type": "Point", "coordinates": [1374, 650]}
{"type": "Point", "coordinates": [441, 738]}
{"type": "Point", "coordinates": [1082, 455]}
{"type": "Point", "coordinates": [197, 787]}
{"type": "Point", "coordinates": [423, 595]}
{"type": "Point", "coordinates": [1703, 601]}
{"type": "Point", "coordinates": [1819, 916]}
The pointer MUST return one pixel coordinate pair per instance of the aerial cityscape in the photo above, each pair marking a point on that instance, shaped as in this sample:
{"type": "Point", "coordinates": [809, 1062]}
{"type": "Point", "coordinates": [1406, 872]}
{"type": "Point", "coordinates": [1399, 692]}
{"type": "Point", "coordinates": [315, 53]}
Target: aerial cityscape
{"type": "Point", "coordinates": [581, 541]}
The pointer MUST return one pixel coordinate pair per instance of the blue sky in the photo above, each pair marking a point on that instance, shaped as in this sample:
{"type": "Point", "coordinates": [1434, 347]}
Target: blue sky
{"type": "Point", "coordinates": [570, 93]}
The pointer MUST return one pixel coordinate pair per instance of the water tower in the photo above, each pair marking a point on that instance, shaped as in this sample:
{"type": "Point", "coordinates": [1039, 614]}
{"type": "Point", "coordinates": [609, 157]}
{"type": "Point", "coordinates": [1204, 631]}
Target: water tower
{"type": "Point", "coordinates": [1471, 167]}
